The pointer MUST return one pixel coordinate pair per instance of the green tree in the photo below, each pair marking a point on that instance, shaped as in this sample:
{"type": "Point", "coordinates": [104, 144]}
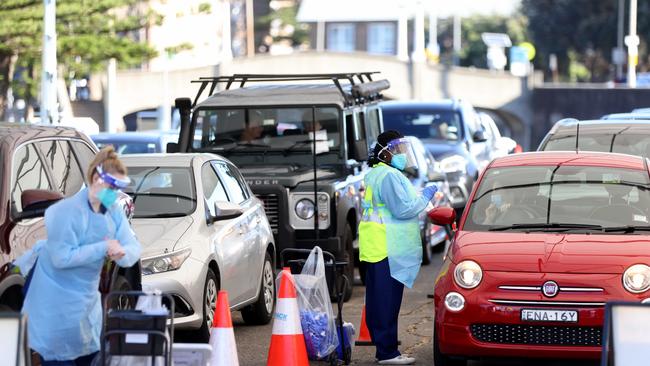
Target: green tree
{"type": "Point", "coordinates": [89, 33]}
{"type": "Point", "coordinates": [581, 33]}
{"type": "Point", "coordinates": [473, 50]}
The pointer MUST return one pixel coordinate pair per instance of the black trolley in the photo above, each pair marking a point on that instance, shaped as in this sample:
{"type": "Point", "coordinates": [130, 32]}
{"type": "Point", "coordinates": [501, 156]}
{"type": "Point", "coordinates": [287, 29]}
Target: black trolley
{"type": "Point", "coordinates": [337, 283]}
{"type": "Point", "coordinates": [130, 332]}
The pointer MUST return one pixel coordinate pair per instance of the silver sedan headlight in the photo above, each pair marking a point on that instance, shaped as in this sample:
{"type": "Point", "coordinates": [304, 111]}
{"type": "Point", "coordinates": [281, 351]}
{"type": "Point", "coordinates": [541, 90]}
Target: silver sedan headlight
{"type": "Point", "coordinates": [305, 209]}
{"type": "Point", "coordinates": [468, 274]}
{"type": "Point", "coordinates": [636, 279]}
{"type": "Point", "coordinates": [168, 262]}
{"type": "Point", "coordinates": [453, 164]}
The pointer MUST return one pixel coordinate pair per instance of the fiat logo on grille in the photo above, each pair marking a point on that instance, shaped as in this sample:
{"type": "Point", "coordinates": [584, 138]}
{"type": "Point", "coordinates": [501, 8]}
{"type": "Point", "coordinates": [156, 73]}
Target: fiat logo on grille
{"type": "Point", "coordinates": [550, 288]}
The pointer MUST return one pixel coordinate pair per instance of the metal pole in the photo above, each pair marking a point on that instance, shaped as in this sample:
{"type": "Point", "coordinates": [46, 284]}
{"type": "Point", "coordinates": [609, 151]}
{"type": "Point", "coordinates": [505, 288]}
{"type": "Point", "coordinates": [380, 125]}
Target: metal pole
{"type": "Point", "coordinates": [619, 37]}
{"type": "Point", "coordinates": [433, 46]}
{"type": "Point", "coordinates": [49, 108]}
{"type": "Point", "coordinates": [632, 42]}
{"type": "Point", "coordinates": [418, 54]}
{"type": "Point", "coordinates": [109, 98]}
{"type": "Point", "coordinates": [313, 124]}
{"type": "Point", "coordinates": [456, 36]}
{"type": "Point", "coordinates": [250, 29]}
{"type": "Point", "coordinates": [402, 35]}
{"type": "Point", "coordinates": [320, 36]}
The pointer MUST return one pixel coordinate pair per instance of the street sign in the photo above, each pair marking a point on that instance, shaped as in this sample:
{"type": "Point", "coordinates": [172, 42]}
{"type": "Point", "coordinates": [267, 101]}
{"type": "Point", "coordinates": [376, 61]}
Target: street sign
{"type": "Point", "coordinates": [519, 63]}
{"type": "Point", "coordinates": [530, 49]}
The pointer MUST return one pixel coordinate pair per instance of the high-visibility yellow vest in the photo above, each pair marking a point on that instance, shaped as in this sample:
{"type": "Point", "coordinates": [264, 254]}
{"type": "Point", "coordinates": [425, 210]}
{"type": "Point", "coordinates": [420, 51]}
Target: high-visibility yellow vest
{"type": "Point", "coordinates": [372, 228]}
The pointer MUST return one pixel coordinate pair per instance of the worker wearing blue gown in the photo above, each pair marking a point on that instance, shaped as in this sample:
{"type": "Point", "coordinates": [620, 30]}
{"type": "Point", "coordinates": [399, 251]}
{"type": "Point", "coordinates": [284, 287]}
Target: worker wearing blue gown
{"type": "Point", "coordinates": [63, 303]}
{"type": "Point", "coordinates": [389, 240]}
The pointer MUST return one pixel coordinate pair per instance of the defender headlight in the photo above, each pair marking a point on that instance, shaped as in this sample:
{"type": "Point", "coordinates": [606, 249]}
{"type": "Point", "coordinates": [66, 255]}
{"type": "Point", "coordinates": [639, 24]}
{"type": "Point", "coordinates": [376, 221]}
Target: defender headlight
{"type": "Point", "coordinates": [453, 164]}
{"type": "Point", "coordinates": [164, 263]}
{"type": "Point", "coordinates": [305, 209]}
{"type": "Point", "coordinates": [636, 279]}
{"type": "Point", "coordinates": [468, 274]}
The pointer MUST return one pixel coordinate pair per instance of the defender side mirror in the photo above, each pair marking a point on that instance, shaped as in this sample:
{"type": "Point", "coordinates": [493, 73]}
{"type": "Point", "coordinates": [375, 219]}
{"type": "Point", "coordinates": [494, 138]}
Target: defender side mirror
{"type": "Point", "coordinates": [479, 136]}
{"type": "Point", "coordinates": [442, 216]}
{"type": "Point", "coordinates": [172, 147]}
{"type": "Point", "coordinates": [360, 150]}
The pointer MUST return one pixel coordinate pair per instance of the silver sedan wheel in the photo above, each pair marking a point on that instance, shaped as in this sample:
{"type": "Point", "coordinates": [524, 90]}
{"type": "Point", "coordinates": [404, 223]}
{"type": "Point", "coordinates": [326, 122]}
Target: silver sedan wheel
{"type": "Point", "coordinates": [210, 300]}
{"type": "Point", "coordinates": [269, 287]}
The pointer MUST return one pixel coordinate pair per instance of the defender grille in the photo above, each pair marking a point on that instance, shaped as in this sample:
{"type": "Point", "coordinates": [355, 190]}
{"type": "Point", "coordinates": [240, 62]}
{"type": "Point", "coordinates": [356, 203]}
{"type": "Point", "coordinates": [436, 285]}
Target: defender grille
{"type": "Point", "coordinates": [537, 335]}
{"type": "Point", "coordinates": [272, 208]}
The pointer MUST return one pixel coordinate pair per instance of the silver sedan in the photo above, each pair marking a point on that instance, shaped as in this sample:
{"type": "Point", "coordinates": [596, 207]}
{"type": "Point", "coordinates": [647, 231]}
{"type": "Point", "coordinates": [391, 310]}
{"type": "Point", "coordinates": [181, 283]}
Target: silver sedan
{"type": "Point", "coordinates": [202, 230]}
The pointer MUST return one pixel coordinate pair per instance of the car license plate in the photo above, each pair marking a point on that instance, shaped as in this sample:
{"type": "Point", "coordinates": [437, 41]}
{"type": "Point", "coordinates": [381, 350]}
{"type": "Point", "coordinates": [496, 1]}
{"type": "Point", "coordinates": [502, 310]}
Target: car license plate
{"type": "Point", "coordinates": [538, 315]}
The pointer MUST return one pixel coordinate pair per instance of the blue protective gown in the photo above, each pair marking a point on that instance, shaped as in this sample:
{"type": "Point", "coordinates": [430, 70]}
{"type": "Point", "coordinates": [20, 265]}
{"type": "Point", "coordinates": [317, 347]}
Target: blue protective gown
{"type": "Point", "coordinates": [63, 304]}
{"type": "Point", "coordinates": [403, 241]}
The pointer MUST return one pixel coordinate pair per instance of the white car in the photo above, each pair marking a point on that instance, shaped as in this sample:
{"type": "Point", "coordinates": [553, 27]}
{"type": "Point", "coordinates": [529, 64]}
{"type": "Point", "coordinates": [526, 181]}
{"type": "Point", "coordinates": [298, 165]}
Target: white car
{"type": "Point", "coordinates": [202, 230]}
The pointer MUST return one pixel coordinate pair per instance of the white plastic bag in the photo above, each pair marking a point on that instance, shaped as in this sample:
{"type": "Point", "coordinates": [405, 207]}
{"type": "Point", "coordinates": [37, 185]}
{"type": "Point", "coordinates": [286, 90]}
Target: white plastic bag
{"type": "Point", "coordinates": [316, 315]}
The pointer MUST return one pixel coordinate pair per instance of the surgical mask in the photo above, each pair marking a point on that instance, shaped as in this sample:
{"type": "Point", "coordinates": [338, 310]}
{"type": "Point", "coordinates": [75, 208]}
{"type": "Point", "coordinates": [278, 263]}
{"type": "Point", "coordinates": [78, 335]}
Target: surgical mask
{"type": "Point", "coordinates": [496, 199]}
{"type": "Point", "coordinates": [107, 197]}
{"type": "Point", "coordinates": [398, 161]}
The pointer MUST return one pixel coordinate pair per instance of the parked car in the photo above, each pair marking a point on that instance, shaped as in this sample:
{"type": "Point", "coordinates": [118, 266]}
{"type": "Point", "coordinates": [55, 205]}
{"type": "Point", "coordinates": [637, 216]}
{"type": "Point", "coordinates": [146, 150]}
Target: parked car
{"type": "Point", "coordinates": [428, 172]}
{"type": "Point", "coordinates": [40, 165]}
{"type": "Point", "coordinates": [623, 136]}
{"type": "Point", "coordinates": [202, 230]}
{"type": "Point", "coordinates": [497, 145]}
{"type": "Point", "coordinates": [547, 240]}
{"type": "Point", "coordinates": [451, 131]}
{"type": "Point", "coordinates": [140, 142]}
{"type": "Point", "coordinates": [627, 116]}
{"type": "Point", "coordinates": [311, 182]}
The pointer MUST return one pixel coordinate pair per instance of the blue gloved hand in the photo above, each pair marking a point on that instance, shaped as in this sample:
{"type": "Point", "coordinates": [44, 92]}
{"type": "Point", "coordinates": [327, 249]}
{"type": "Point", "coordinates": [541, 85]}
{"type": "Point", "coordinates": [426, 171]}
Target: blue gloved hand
{"type": "Point", "coordinates": [429, 192]}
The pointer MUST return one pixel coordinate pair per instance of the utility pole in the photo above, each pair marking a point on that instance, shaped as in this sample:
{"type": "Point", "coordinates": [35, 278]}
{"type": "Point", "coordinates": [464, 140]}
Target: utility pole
{"type": "Point", "coordinates": [49, 106]}
{"type": "Point", "coordinates": [250, 29]}
{"type": "Point", "coordinates": [632, 43]}
{"type": "Point", "coordinates": [619, 40]}
{"type": "Point", "coordinates": [456, 39]}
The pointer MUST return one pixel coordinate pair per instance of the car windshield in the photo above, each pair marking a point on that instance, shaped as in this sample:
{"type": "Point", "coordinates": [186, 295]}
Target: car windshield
{"type": "Point", "coordinates": [560, 198]}
{"type": "Point", "coordinates": [159, 192]}
{"type": "Point", "coordinates": [125, 148]}
{"type": "Point", "coordinates": [425, 124]}
{"type": "Point", "coordinates": [624, 141]}
{"type": "Point", "coordinates": [287, 129]}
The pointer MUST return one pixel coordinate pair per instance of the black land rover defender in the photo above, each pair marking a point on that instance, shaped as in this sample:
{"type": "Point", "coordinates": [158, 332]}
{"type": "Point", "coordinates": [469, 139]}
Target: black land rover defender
{"type": "Point", "coordinates": [301, 142]}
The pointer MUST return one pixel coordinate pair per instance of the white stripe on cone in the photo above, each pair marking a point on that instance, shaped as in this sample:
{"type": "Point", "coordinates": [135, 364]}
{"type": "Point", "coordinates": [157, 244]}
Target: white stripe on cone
{"type": "Point", "coordinates": [287, 317]}
{"type": "Point", "coordinates": [224, 349]}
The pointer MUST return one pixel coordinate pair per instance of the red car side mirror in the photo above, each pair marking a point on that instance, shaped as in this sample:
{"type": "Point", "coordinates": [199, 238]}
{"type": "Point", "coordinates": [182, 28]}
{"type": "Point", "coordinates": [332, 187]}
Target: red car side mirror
{"type": "Point", "coordinates": [442, 216]}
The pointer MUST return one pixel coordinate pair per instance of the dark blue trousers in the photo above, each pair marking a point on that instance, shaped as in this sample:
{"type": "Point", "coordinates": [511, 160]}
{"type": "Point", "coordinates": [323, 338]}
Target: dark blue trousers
{"type": "Point", "coordinates": [383, 301]}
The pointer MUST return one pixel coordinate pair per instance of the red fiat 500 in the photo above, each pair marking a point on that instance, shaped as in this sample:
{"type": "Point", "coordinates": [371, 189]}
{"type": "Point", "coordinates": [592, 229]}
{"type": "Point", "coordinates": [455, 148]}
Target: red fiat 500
{"type": "Point", "coordinates": [545, 241]}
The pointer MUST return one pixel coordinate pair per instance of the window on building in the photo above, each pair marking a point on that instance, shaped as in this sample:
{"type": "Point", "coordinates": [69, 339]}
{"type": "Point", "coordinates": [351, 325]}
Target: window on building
{"type": "Point", "coordinates": [341, 37]}
{"type": "Point", "coordinates": [381, 38]}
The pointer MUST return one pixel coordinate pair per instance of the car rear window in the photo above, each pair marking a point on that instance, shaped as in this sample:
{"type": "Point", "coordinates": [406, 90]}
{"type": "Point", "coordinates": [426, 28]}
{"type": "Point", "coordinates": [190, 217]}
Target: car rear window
{"type": "Point", "coordinates": [425, 124]}
{"type": "Point", "coordinates": [579, 195]}
{"type": "Point", "coordinates": [623, 141]}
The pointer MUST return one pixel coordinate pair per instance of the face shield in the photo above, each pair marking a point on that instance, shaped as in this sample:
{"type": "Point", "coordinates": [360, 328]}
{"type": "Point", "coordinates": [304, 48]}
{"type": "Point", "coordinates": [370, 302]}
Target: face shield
{"type": "Point", "coordinates": [114, 182]}
{"type": "Point", "coordinates": [402, 155]}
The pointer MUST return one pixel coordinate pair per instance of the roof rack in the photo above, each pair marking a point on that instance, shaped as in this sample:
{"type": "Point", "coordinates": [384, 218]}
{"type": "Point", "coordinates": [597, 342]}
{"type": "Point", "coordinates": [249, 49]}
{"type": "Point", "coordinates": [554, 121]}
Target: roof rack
{"type": "Point", "coordinates": [363, 87]}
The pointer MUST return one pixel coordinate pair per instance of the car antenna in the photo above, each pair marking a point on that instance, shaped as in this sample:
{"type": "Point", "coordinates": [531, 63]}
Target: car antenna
{"type": "Point", "coordinates": [577, 135]}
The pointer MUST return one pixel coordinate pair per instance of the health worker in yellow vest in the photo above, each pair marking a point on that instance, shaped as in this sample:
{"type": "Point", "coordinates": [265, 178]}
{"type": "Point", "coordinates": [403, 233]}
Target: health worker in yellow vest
{"type": "Point", "coordinates": [389, 240]}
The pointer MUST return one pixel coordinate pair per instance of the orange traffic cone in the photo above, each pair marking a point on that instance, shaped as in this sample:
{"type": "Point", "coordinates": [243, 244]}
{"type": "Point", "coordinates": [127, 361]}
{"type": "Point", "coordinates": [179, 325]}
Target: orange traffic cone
{"type": "Point", "coordinates": [222, 336]}
{"type": "Point", "coordinates": [287, 342]}
{"type": "Point", "coordinates": [364, 335]}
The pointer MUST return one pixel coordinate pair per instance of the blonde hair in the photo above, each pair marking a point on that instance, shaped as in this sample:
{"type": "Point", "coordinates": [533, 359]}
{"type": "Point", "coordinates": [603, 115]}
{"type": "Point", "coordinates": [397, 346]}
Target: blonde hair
{"type": "Point", "coordinates": [110, 162]}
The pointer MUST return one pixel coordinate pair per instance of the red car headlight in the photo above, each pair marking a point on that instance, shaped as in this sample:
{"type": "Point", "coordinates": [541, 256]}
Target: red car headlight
{"type": "Point", "coordinates": [468, 274]}
{"type": "Point", "coordinates": [636, 279]}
